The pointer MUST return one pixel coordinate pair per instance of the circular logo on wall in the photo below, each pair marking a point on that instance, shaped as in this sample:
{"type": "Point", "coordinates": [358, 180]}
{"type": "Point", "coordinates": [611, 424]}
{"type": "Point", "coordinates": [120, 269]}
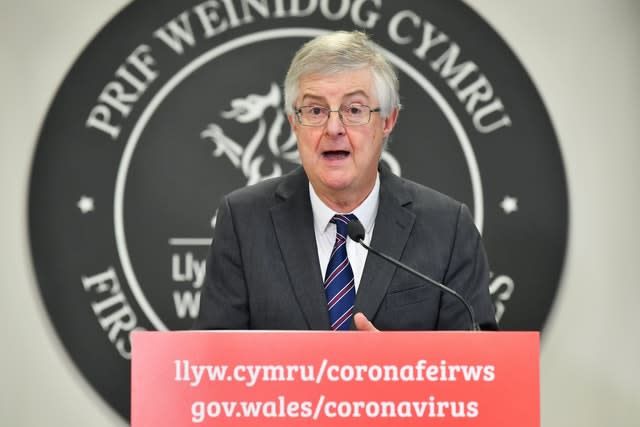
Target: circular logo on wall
{"type": "Point", "coordinates": [175, 104]}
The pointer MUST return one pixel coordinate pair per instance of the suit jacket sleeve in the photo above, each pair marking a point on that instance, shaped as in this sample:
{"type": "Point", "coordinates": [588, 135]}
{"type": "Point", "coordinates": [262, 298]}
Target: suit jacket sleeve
{"type": "Point", "coordinates": [223, 301]}
{"type": "Point", "coordinates": [468, 274]}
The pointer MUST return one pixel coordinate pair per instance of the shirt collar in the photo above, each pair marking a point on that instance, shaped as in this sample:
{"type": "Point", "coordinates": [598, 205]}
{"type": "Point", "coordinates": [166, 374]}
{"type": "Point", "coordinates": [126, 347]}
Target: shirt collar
{"type": "Point", "coordinates": [366, 211]}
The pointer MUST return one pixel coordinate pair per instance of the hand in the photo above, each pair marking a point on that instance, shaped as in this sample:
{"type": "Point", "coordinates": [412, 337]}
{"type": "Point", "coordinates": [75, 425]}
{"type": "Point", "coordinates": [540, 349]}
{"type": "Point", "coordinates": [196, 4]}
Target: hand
{"type": "Point", "coordinates": [363, 324]}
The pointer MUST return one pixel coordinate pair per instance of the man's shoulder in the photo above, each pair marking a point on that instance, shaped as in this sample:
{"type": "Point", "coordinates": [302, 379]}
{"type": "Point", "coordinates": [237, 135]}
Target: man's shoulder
{"type": "Point", "coordinates": [434, 213]}
{"type": "Point", "coordinates": [268, 190]}
{"type": "Point", "coordinates": [420, 197]}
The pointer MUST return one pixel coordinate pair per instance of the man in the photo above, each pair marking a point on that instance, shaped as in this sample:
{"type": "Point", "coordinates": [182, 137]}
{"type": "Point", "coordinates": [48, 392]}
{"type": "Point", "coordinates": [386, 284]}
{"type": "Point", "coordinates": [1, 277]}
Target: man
{"type": "Point", "coordinates": [278, 258]}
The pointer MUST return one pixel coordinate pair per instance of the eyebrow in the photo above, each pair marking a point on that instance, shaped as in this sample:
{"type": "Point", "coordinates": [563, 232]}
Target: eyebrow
{"type": "Point", "coordinates": [358, 92]}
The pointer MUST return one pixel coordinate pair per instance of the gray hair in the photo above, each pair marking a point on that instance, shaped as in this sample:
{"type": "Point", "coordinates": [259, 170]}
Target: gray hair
{"type": "Point", "coordinates": [337, 52]}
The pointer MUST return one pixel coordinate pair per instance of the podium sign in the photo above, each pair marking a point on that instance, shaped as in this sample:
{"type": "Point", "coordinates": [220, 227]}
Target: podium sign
{"type": "Point", "coordinates": [258, 378]}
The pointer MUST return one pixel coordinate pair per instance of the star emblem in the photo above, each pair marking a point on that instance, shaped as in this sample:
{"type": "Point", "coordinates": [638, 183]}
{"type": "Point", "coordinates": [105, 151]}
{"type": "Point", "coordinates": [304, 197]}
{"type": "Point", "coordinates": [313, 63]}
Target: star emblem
{"type": "Point", "coordinates": [85, 204]}
{"type": "Point", "coordinates": [509, 204]}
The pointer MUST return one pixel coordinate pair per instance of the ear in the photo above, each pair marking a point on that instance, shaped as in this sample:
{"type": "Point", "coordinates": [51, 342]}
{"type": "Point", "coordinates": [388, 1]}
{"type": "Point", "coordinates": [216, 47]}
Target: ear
{"type": "Point", "coordinates": [390, 122]}
{"type": "Point", "coordinates": [292, 122]}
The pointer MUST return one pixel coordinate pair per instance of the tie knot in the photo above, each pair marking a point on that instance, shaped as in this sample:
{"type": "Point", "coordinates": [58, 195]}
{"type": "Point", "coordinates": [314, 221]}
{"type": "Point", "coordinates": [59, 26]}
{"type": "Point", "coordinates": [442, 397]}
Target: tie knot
{"type": "Point", "coordinates": [341, 222]}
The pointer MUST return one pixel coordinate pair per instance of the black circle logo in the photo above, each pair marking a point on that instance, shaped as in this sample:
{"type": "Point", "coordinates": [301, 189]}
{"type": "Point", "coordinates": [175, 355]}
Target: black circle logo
{"type": "Point", "coordinates": [174, 104]}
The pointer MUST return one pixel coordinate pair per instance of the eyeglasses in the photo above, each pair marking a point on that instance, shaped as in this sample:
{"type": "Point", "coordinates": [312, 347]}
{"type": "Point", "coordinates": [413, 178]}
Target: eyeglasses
{"type": "Point", "coordinates": [350, 115]}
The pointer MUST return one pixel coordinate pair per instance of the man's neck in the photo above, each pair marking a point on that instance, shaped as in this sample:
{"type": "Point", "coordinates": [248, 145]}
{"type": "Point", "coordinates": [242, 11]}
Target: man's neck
{"type": "Point", "coordinates": [342, 205]}
{"type": "Point", "coordinates": [344, 201]}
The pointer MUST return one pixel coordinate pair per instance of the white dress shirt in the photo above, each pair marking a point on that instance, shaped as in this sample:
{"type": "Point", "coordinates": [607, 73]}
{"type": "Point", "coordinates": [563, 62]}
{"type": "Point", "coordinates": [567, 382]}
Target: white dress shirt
{"type": "Point", "coordinates": [326, 231]}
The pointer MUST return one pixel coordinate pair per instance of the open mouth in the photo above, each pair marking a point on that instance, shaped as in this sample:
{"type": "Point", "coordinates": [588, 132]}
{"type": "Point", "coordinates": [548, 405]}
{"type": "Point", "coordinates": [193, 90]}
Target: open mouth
{"type": "Point", "coordinates": [335, 155]}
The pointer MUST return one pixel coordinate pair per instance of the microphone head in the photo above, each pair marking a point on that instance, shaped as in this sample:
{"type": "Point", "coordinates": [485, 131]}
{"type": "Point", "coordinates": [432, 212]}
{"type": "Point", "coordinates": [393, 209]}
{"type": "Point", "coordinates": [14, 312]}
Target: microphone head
{"type": "Point", "coordinates": [355, 229]}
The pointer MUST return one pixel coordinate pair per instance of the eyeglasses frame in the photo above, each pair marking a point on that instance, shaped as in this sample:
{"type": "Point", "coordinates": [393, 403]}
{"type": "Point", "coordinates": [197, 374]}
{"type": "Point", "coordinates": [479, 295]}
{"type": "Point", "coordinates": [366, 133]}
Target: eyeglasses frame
{"type": "Point", "coordinates": [298, 112]}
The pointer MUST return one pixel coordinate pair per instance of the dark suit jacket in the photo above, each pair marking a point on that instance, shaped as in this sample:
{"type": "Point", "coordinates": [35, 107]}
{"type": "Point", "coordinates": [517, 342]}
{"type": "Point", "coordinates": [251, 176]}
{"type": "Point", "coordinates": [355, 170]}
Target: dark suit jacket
{"type": "Point", "coordinates": [263, 270]}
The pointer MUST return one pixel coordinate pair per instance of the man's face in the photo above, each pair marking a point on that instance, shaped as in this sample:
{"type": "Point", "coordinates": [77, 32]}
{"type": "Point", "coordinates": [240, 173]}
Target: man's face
{"type": "Point", "coordinates": [341, 161]}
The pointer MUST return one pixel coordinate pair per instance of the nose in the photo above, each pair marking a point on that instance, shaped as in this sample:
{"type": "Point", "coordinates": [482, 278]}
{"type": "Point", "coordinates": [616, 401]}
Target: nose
{"type": "Point", "coordinates": [334, 126]}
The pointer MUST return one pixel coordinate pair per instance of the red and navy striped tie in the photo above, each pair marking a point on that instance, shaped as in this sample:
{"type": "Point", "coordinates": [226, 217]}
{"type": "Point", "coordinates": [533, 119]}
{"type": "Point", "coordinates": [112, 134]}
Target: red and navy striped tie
{"type": "Point", "coordinates": [338, 283]}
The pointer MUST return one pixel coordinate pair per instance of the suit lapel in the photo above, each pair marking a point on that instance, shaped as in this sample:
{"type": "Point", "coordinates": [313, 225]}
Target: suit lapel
{"type": "Point", "coordinates": [293, 223]}
{"type": "Point", "coordinates": [394, 223]}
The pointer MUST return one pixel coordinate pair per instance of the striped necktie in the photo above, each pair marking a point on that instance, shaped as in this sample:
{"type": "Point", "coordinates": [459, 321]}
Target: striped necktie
{"type": "Point", "coordinates": [339, 286]}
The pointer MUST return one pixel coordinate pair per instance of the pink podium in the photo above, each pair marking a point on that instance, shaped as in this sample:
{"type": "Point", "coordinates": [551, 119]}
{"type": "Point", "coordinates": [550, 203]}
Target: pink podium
{"type": "Point", "coordinates": [258, 378]}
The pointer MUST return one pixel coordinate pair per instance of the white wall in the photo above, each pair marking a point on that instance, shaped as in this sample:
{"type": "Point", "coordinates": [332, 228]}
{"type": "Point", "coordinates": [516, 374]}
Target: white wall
{"type": "Point", "coordinates": [582, 54]}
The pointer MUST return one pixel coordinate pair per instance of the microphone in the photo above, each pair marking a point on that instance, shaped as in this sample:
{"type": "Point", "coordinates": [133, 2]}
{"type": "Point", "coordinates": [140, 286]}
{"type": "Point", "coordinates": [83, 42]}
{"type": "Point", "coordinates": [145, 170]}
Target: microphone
{"type": "Point", "coordinates": [355, 229]}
